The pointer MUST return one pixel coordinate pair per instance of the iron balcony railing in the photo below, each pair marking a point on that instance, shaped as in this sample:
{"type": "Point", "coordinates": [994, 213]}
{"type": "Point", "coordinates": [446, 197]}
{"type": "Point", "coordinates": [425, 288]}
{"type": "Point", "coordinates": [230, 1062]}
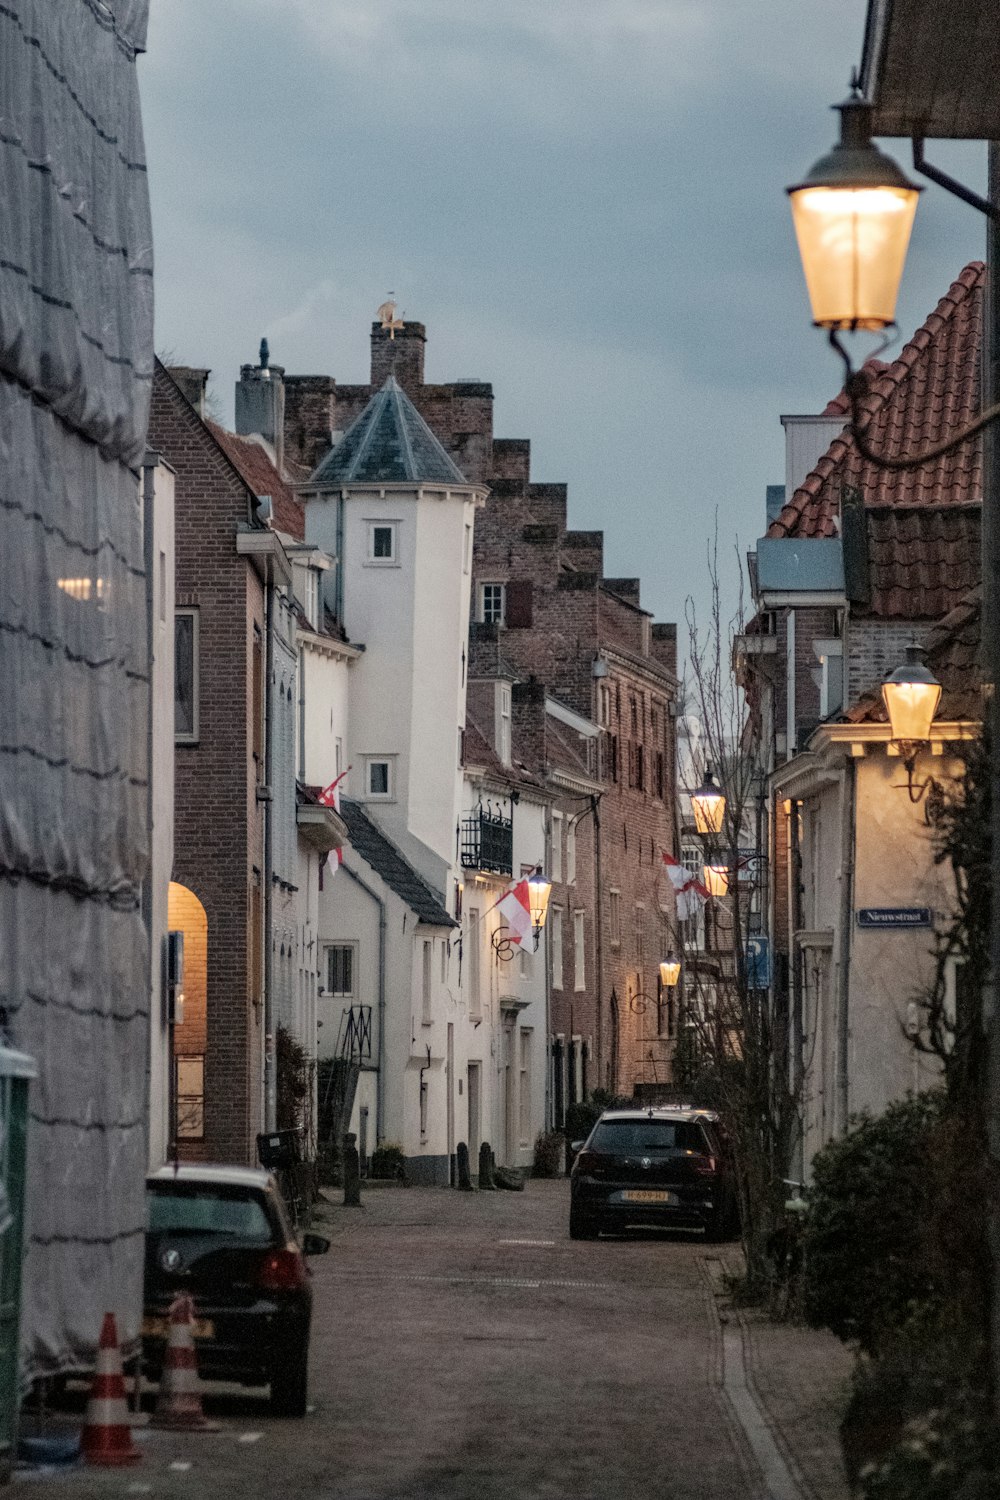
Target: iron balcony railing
{"type": "Point", "coordinates": [488, 841]}
{"type": "Point", "coordinates": [354, 1039]}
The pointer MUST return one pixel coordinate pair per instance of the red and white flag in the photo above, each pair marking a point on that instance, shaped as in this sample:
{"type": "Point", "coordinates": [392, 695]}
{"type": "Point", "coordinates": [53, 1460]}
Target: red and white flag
{"type": "Point", "coordinates": [691, 894]}
{"type": "Point", "coordinates": [515, 908]}
{"type": "Point", "coordinates": [330, 797]}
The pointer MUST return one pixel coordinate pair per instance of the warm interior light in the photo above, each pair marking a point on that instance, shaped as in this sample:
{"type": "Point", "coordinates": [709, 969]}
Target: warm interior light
{"type": "Point", "coordinates": [717, 879]}
{"type": "Point", "coordinates": [708, 804]}
{"type": "Point", "coordinates": [853, 215]}
{"type": "Point", "coordinates": [911, 694]}
{"type": "Point", "coordinates": [670, 971]}
{"type": "Point", "coordinates": [539, 891]}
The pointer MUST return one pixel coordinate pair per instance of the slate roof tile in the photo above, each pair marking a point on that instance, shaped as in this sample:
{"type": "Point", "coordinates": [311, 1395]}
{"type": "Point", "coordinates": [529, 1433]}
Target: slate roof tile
{"type": "Point", "coordinates": [922, 398]}
{"type": "Point", "coordinates": [388, 443]}
{"type": "Point", "coordinates": [389, 862]}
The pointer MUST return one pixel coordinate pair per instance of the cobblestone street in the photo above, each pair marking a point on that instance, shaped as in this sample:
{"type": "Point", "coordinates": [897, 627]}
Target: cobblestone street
{"type": "Point", "coordinates": [463, 1346]}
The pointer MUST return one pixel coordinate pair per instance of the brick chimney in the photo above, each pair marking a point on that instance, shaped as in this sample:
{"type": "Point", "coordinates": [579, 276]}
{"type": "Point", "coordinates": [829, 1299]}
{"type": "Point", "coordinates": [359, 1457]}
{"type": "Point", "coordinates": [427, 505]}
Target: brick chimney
{"type": "Point", "coordinates": [402, 356]}
{"type": "Point", "coordinates": [192, 382]}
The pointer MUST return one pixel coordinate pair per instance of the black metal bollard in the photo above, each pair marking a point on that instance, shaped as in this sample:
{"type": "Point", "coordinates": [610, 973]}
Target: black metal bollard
{"type": "Point", "coordinates": [462, 1160]}
{"type": "Point", "coordinates": [486, 1182]}
{"type": "Point", "coordinates": [352, 1172]}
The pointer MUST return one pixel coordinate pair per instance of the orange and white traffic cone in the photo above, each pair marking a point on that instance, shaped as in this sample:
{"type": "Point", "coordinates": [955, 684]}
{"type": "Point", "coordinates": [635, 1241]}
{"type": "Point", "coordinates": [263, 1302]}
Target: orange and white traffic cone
{"type": "Point", "coordinates": [179, 1402]}
{"type": "Point", "coordinates": [106, 1438]}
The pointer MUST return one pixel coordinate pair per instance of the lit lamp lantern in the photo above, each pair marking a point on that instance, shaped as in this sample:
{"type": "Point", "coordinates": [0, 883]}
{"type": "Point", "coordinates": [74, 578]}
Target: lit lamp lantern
{"type": "Point", "coordinates": [717, 879]}
{"type": "Point", "coordinates": [670, 971]}
{"type": "Point", "coordinates": [708, 804]}
{"type": "Point", "coordinates": [912, 694]}
{"type": "Point", "coordinates": [853, 215]}
{"type": "Point", "coordinates": [539, 891]}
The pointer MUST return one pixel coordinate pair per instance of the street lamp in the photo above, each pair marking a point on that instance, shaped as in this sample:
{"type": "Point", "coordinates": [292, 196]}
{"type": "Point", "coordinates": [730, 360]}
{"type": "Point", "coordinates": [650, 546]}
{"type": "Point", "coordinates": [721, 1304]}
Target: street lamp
{"type": "Point", "coordinates": [539, 891]}
{"type": "Point", "coordinates": [670, 971]}
{"type": "Point", "coordinates": [708, 804]}
{"type": "Point", "coordinates": [853, 214]}
{"type": "Point", "coordinates": [911, 695]}
{"type": "Point", "coordinates": [717, 879]}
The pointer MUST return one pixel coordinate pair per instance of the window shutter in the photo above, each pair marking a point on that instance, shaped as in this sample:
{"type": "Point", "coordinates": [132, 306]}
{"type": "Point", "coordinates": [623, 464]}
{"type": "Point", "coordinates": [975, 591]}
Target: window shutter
{"type": "Point", "coordinates": [519, 604]}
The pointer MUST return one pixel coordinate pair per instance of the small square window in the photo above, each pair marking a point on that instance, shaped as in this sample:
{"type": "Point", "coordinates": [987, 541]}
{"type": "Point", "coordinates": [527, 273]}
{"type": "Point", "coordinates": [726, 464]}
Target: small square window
{"type": "Point", "coordinates": [380, 777]}
{"type": "Point", "coordinates": [492, 603]}
{"type": "Point", "coordinates": [382, 544]}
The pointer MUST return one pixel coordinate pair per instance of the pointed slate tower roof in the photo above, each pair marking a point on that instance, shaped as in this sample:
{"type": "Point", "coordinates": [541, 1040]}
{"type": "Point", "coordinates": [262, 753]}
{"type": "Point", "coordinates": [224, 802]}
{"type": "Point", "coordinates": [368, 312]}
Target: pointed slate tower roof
{"type": "Point", "coordinates": [389, 443]}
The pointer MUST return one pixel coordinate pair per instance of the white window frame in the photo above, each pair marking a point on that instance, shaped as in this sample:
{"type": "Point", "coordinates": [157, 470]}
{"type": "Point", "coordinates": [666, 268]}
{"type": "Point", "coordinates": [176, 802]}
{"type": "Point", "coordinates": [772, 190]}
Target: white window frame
{"type": "Point", "coordinates": [467, 549]}
{"type": "Point", "coordinates": [427, 982]}
{"type": "Point", "coordinates": [579, 950]}
{"type": "Point", "coordinates": [500, 619]}
{"type": "Point", "coordinates": [373, 525]}
{"type": "Point", "coordinates": [615, 917]}
{"type": "Point", "coordinates": [554, 926]}
{"type": "Point", "coordinates": [828, 652]}
{"type": "Point", "coordinates": [331, 994]}
{"type": "Point", "coordinates": [504, 722]}
{"type": "Point", "coordinates": [556, 862]}
{"type": "Point", "coordinates": [525, 1039]}
{"type": "Point", "coordinates": [191, 737]}
{"type": "Point", "coordinates": [570, 851]}
{"type": "Point", "coordinates": [473, 938]}
{"type": "Point", "coordinates": [389, 761]}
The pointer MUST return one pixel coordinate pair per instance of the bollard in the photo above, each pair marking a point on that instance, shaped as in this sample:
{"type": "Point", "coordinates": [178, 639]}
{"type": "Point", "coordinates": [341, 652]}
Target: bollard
{"type": "Point", "coordinates": [352, 1172]}
{"type": "Point", "coordinates": [464, 1175]}
{"type": "Point", "coordinates": [486, 1182]}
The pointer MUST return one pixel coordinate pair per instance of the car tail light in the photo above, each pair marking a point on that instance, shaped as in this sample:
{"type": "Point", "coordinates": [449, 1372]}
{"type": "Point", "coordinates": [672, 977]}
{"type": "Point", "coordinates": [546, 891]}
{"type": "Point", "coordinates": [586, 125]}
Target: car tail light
{"type": "Point", "coordinates": [283, 1271]}
{"type": "Point", "coordinates": [705, 1166]}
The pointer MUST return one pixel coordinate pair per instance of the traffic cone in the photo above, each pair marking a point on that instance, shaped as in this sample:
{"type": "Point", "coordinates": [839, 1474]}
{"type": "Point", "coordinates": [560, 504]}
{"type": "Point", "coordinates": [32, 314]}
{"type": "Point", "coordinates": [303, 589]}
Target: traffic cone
{"type": "Point", "coordinates": [178, 1404]}
{"type": "Point", "coordinates": [106, 1438]}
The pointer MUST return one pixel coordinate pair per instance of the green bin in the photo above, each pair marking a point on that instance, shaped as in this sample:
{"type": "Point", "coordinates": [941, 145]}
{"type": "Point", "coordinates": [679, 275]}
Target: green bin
{"type": "Point", "coordinates": [16, 1070]}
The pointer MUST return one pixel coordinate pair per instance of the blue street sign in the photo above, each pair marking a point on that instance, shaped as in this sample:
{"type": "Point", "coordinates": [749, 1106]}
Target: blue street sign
{"type": "Point", "coordinates": [894, 916]}
{"type": "Point", "coordinates": [758, 961]}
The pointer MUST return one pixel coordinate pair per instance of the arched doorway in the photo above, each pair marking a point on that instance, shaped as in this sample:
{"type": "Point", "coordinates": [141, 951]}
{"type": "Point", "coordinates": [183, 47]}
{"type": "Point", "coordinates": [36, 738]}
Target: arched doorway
{"type": "Point", "coordinates": [187, 915]}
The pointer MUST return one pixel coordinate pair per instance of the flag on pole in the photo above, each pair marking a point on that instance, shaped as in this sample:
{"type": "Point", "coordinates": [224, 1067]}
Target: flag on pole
{"type": "Point", "coordinates": [330, 797]}
{"type": "Point", "coordinates": [691, 894]}
{"type": "Point", "coordinates": [515, 908]}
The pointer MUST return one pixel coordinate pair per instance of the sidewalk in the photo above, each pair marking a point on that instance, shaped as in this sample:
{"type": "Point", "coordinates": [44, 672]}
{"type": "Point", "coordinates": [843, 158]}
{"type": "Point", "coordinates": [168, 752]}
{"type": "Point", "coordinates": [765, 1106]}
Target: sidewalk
{"type": "Point", "coordinates": [801, 1377]}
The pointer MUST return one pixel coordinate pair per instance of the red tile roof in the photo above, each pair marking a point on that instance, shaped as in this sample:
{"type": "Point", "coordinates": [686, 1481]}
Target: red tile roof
{"type": "Point", "coordinates": [922, 559]}
{"type": "Point", "coordinates": [251, 460]}
{"type": "Point", "coordinates": [922, 398]}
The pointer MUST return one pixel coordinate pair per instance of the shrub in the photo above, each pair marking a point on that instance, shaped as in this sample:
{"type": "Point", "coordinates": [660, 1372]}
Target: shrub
{"type": "Point", "coordinates": [550, 1154]}
{"type": "Point", "coordinates": [873, 1192]}
{"type": "Point", "coordinates": [388, 1161]}
{"type": "Point", "coordinates": [580, 1120]}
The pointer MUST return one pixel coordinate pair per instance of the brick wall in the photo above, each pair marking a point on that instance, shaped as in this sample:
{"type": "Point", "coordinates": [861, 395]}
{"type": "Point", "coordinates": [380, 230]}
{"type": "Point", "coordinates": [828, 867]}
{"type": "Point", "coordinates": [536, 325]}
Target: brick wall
{"type": "Point", "coordinates": [217, 823]}
{"type": "Point", "coordinates": [877, 647]}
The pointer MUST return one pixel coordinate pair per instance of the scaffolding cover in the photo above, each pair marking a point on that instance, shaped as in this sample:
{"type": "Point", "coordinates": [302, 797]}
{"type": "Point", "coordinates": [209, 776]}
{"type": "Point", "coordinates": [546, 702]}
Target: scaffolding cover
{"type": "Point", "coordinates": [75, 375]}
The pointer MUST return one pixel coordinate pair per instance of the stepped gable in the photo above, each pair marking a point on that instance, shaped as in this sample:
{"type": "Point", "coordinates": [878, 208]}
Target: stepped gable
{"type": "Point", "coordinates": [252, 462]}
{"type": "Point", "coordinates": [378, 851]}
{"type": "Point", "coordinates": [389, 443]}
{"type": "Point", "coordinates": [924, 397]}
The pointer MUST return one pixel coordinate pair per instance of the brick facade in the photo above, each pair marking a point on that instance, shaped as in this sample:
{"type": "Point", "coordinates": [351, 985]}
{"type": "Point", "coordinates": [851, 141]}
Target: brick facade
{"type": "Point", "coordinates": [218, 823]}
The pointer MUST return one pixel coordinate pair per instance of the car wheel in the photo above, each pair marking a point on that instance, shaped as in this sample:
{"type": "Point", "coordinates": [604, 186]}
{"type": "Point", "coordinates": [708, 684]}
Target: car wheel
{"type": "Point", "coordinates": [289, 1384]}
{"type": "Point", "coordinates": [582, 1226]}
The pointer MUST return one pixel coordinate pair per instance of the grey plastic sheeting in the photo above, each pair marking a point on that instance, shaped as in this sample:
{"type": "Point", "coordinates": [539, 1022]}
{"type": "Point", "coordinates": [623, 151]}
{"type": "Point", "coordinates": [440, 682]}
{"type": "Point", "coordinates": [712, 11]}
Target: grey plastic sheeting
{"type": "Point", "coordinates": [76, 361]}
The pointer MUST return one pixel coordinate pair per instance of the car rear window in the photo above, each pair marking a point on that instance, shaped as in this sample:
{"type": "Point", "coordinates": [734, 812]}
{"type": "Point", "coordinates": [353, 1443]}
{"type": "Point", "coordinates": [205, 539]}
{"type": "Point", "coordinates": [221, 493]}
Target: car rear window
{"type": "Point", "coordinates": [647, 1137]}
{"type": "Point", "coordinates": [186, 1208]}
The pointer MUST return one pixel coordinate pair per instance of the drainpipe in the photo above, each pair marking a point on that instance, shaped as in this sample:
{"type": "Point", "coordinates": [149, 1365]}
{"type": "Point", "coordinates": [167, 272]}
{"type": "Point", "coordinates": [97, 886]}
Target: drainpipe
{"type": "Point", "coordinates": [595, 807]}
{"type": "Point", "coordinates": [382, 924]}
{"type": "Point", "coordinates": [847, 801]}
{"type": "Point", "coordinates": [157, 997]}
{"type": "Point", "coordinates": [266, 795]}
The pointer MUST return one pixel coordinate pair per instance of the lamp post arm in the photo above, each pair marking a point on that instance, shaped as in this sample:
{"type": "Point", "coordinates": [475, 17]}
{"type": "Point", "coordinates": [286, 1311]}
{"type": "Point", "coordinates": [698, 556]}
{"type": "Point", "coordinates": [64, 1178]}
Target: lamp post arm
{"type": "Point", "coordinates": [951, 184]}
{"type": "Point", "coordinates": [856, 388]}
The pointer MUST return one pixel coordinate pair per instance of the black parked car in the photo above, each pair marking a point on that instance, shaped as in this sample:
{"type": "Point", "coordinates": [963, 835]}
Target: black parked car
{"type": "Point", "coordinates": [221, 1234]}
{"type": "Point", "coordinates": [657, 1166]}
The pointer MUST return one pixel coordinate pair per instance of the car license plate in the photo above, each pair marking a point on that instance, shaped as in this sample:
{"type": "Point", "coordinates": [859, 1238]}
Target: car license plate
{"type": "Point", "coordinates": [648, 1195]}
{"type": "Point", "coordinates": [159, 1328]}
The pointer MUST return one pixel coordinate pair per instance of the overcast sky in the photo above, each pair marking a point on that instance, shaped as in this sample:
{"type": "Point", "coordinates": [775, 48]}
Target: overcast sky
{"type": "Point", "coordinates": [582, 199]}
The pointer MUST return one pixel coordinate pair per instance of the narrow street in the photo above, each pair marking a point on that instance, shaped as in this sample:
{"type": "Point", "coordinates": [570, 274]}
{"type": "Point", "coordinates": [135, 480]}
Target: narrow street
{"type": "Point", "coordinates": [464, 1346]}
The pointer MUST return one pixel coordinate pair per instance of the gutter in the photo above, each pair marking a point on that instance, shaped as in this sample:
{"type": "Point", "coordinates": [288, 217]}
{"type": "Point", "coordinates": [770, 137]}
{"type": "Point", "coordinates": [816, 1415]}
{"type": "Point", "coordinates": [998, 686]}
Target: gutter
{"type": "Point", "coordinates": [382, 924]}
{"type": "Point", "coordinates": [847, 812]}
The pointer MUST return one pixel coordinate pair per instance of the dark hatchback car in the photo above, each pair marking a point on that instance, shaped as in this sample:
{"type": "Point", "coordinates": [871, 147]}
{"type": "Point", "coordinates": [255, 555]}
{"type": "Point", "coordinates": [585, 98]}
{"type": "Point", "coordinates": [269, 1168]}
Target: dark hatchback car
{"type": "Point", "coordinates": [662, 1167]}
{"type": "Point", "coordinates": [221, 1234]}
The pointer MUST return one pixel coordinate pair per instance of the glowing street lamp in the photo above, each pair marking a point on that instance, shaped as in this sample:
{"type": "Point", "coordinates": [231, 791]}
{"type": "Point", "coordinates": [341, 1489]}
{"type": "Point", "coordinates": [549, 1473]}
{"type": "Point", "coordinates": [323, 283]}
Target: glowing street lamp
{"type": "Point", "coordinates": [717, 879]}
{"type": "Point", "coordinates": [708, 804]}
{"type": "Point", "coordinates": [911, 694]}
{"type": "Point", "coordinates": [853, 214]}
{"type": "Point", "coordinates": [670, 971]}
{"type": "Point", "coordinates": [539, 891]}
